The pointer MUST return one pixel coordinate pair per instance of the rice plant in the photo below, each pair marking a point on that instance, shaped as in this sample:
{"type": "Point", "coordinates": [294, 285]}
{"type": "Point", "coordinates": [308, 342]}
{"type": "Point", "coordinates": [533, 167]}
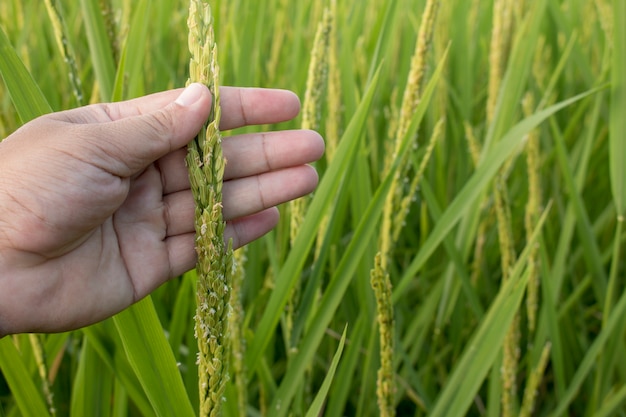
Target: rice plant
{"type": "Point", "coordinates": [476, 146]}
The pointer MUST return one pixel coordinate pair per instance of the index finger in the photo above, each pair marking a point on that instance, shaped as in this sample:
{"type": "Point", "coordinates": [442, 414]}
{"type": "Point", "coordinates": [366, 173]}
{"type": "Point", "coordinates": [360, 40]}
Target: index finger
{"type": "Point", "coordinates": [240, 107]}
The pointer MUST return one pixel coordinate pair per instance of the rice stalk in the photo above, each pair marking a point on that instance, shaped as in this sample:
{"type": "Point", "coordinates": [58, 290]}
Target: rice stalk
{"type": "Point", "coordinates": [498, 54]}
{"type": "Point", "coordinates": [472, 143]}
{"type": "Point", "coordinates": [392, 115]}
{"type": "Point", "coordinates": [479, 248]}
{"type": "Point", "coordinates": [502, 19]}
{"type": "Point", "coordinates": [481, 232]}
{"type": "Point", "coordinates": [511, 351]}
{"type": "Point", "coordinates": [617, 127]}
{"type": "Point", "coordinates": [479, 244]}
{"type": "Point", "coordinates": [236, 327]}
{"type": "Point", "coordinates": [392, 223]}
{"type": "Point", "coordinates": [333, 120]}
{"type": "Point", "coordinates": [124, 23]}
{"type": "Point", "coordinates": [60, 34]}
{"type": "Point", "coordinates": [410, 101]}
{"type": "Point", "coordinates": [411, 195]}
{"type": "Point", "coordinates": [472, 18]}
{"type": "Point", "coordinates": [540, 70]}
{"type": "Point", "coordinates": [95, 93]}
{"type": "Point", "coordinates": [519, 9]}
{"type": "Point", "coordinates": [263, 401]}
{"type": "Point", "coordinates": [278, 38]}
{"type": "Point", "coordinates": [42, 368]}
{"type": "Point", "coordinates": [614, 29]}
{"type": "Point", "coordinates": [441, 43]}
{"type": "Point", "coordinates": [385, 384]}
{"type": "Point", "coordinates": [215, 259]}
{"type": "Point", "coordinates": [533, 382]}
{"type": "Point", "coordinates": [108, 16]}
{"type": "Point", "coordinates": [532, 213]}
{"type": "Point", "coordinates": [495, 57]}
{"type": "Point", "coordinates": [505, 234]}
{"type": "Point", "coordinates": [311, 116]}
{"type": "Point", "coordinates": [617, 158]}
{"type": "Point", "coordinates": [334, 114]}
{"type": "Point", "coordinates": [412, 91]}
{"type": "Point", "coordinates": [312, 103]}
{"type": "Point", "coordinates": [317, 73]}
{"type": "Point", "coordinates": [605, 17]}
{"type": "Point", "coordinates": [510, 364]}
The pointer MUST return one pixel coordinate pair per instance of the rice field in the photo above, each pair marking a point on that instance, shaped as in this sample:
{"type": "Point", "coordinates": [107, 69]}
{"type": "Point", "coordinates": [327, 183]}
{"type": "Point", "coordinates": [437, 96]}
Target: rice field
{"type": "Point", "coordinates": [462, 255]}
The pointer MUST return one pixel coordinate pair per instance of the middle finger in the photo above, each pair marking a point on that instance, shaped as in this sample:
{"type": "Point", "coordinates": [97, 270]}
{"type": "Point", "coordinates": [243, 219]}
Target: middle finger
{"type": "Point", "coordinates": [248, 155]}
{"type": "Point", "coordinates": [242, 197]}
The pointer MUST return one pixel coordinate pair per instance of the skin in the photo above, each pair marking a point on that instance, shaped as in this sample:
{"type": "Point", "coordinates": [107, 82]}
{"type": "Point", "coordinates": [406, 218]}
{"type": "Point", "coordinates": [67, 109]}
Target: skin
{"type": "Point", "coordinates": [95, 206]}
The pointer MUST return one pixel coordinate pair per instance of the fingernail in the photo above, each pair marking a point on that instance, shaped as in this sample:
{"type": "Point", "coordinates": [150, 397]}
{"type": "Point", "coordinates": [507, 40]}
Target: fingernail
{"type": "Point", "coordinates": [191, 94]}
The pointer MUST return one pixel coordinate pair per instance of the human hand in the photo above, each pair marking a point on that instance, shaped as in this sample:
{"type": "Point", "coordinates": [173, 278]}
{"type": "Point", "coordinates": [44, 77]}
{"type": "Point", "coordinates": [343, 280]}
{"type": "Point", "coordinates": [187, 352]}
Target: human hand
{"type": "Point", "coordinates": [95, 206]}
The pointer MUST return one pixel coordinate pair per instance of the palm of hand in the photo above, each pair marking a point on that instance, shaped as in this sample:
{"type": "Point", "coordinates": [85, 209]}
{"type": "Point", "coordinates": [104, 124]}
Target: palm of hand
{"type": "Point", "coordinates": [89, 226]}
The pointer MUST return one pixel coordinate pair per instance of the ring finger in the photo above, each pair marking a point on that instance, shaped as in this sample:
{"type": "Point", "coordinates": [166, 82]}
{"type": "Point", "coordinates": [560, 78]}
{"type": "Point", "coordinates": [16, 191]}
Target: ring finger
{"type": "Point", "coordinates": [243, 197]}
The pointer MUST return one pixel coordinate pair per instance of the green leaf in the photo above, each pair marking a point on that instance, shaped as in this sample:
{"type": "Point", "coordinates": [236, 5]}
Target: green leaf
{"type": "Point", "coordinates": [617, 125]}
{"type": "Point", "coordinates": [27, 98]}
{"type": "Point", "coordinates": [29, 399]}
{"type": "Point", "coordinates": [456, 257]}
{"type": "Point", "coordinates": [182, 312]}
{"type": "Point", "coordinates": [346, 374]}
{"type": "Point", "coordinates": [104, 339]}
{"type": "Point", "coordinates": [482, 350]}
{"type": "Point", "coordinates": [384, 35]}
{"type": "Point", "coordinates": [350, 260]}
{"type": "Point", "coordinates": [590, 359]}
{"type": "Point", "coordinates": [151, 358]}
{"type": "Point", "coordinates": [120, 75]}
{"type": "Point", "coordinates": [92, 386]}
{"type": "Point", "coordinates": [466, 198]}
{"type": "Point", "coordinates": [325, 193]}
{"type": "Point", "coordinates": [134, 52]}
{"type": "Point", "coordinates": [320, 397]}
{"type": "Point", "coordinates": [592, 252]}
{"type": "Point", "coordinates": [100, 48]}
{"type": "Point", "coordinates": [612, 404]}
{"type": "Point", "coordinates": [516, 76]}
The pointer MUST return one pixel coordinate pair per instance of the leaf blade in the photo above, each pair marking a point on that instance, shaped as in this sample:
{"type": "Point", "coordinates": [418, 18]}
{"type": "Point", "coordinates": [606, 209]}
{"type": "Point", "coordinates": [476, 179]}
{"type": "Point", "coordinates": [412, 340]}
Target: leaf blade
{"type": "Point", "coordinates": [151, 358]}
{"type": "Point", "coordinates": [26, 95]}
{"type": "Point", "coordinates": [474, 186]}
{"type": "Point", "coordinates": [617, 124]}
{"type": "Point", "coordinates": [27, 397]}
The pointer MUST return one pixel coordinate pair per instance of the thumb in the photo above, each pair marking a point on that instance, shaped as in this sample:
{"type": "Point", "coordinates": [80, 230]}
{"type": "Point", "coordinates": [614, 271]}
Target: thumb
{"type": "Point", "coordinates": [129, 144]}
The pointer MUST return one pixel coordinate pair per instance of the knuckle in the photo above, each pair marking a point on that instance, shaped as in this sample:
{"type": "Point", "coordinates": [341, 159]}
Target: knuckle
{"type": "Point", "coordinates": [162, 123]}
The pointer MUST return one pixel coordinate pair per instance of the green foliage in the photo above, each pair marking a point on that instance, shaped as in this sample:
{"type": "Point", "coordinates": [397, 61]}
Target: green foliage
{"type": "Point", "coordinates": [451, 309]}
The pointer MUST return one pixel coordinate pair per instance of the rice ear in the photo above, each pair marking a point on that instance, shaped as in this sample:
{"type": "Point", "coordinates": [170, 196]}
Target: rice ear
{"type": "Point", "coordinates": [214, 268]}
